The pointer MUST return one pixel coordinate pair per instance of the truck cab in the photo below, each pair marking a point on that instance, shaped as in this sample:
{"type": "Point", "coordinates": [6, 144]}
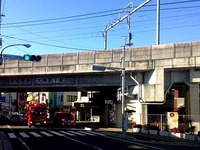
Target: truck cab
{"type": "Point", "coordinates": [37, 114]}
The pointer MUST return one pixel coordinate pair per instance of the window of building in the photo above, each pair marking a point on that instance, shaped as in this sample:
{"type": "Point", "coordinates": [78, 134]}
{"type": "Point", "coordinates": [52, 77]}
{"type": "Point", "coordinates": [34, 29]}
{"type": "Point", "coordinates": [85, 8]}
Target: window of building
{"type": "Point", "coordinates": [71, 98]}
{"type": "Point", "coordinates": [61, 98]}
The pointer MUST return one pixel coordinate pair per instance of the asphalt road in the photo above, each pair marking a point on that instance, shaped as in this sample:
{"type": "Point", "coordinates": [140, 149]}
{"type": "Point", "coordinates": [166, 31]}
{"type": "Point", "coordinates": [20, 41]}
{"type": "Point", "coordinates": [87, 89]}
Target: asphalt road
{"type": "Point", "coordinates": [24, 138]}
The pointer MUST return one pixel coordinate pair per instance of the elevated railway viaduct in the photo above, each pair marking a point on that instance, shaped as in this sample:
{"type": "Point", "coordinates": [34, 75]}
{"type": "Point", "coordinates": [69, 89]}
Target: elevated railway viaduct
{"type": "Point", "coordinates": [153, 73]}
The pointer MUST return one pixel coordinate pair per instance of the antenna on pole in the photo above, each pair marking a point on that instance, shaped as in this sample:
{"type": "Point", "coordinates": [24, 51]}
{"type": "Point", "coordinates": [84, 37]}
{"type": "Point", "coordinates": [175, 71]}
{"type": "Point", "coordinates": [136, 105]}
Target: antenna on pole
{"type": "Point", "coordinates": [120, 20]}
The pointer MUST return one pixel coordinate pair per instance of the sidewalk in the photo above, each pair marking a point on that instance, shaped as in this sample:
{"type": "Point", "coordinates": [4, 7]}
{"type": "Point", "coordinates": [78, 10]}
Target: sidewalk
{"type": "Point", "coordinates": [130, 133]}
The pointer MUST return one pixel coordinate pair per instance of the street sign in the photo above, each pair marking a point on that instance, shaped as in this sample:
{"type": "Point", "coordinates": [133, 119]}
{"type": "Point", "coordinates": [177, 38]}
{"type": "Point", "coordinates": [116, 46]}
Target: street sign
{"type": "Point", "coordinates": [103, 68]}
{"type": "Point", "coordinates": [2, 99]}
{"type": "Point", "coordinates": [99, 68]}
{"type": "Point", "coordinates": [108, 101]}
{"type": "Point", "coordinates": [12, 57]}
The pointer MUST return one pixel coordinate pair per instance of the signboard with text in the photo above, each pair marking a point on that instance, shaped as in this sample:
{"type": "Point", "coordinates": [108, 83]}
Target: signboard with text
{"type": "Point", "coordinates": [172, 119]}
{"type": "Point", "coordinates": [12, 57]}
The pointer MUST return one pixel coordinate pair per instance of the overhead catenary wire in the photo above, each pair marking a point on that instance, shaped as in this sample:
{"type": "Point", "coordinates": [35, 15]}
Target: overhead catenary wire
{"type": "Point", "coordinates": [90, 15]}
{"type": "Point", "coordinates": [76, 18]}
{"type": "Point", "coordinates": [57, 46]}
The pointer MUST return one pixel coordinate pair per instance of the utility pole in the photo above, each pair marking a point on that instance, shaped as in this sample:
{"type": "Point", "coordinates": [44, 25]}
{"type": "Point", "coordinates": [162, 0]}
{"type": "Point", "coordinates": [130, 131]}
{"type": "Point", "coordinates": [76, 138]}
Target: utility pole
{"type": "Point", "coordinates": [123, 68]}
{"type": "Point", "coordinates": [120, 20]}
{"type": "Point", "coordinates": [1, 15]}
{"type": "Point", "coordinates": [0, 27]}
{"type": "Point", "coordinates": [158, 23]}
{"type": "Point", "coordinates": [124, 122]}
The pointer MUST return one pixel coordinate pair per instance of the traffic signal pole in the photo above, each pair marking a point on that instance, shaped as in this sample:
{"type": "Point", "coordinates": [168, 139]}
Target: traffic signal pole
{"type": "Point", "coordinates": [1, 56]}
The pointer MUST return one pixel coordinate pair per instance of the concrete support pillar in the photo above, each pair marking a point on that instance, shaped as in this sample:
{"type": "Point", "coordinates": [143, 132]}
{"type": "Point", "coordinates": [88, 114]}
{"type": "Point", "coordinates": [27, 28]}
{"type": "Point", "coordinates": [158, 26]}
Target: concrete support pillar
{"type": "Point", "coordinates": [138, 113]}
{"type": "Point", "coordinates": [104, 118]}
{"type": "Point", "coordinates": [194, 99]}
{"type": "Point", "coordinates": [144, 114]}
{"type": "Point", "coordinates": [118, 115]}
{"type": "Point", "coordinates": [194, 102]}
{"type": "Point", "coordinates": [141, 113]}
{"type": "Point", "coordinates": [153, 87]}
{"type": "Point", "coordinates": [194, 107]}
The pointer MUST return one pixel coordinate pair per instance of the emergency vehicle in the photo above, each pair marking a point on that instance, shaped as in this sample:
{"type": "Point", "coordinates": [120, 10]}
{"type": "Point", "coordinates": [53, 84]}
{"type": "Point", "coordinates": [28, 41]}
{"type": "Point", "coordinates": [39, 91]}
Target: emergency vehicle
{"type": "Point", "coordinates": [63, 118]}
{"type": "Point", "coordinates": [37, 114]}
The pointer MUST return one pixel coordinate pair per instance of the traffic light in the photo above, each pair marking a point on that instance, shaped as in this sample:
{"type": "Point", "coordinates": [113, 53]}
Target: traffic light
{"type": "Point", "coordinates": [32, 57]}
{"type": "Point", "coordinates": [130, 37]}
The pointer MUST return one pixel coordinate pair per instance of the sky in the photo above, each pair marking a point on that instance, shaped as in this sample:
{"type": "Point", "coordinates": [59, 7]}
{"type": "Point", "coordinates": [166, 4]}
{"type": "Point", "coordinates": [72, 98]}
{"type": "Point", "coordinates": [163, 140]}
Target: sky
{"type": "Point", "coordinates": [66, 26]}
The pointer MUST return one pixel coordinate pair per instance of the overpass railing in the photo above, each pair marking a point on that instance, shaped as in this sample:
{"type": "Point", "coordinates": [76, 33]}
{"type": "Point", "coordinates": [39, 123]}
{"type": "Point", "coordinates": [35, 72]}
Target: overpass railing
{"type": "Point", "coordinates": [79, 61]}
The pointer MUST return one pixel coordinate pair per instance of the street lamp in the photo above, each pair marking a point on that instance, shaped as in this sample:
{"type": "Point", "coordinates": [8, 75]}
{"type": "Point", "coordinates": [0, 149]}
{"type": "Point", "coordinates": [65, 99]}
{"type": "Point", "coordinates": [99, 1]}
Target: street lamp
{"type": "Point", "coordinates": [1, 56]}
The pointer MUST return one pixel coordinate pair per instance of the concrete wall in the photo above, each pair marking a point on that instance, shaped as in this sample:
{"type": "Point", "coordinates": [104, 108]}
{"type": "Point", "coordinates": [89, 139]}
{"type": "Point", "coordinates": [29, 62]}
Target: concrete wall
{"type": "Point", "coordinates": [137, 58]}
{"type": "Point", "coordinates": [195, 97]}
{"type": "Point", "coordinates": [153, 88]}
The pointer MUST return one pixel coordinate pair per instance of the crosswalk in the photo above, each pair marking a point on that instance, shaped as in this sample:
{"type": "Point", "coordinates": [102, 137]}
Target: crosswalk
{"type": "Point", "coordinates": [51, 133]}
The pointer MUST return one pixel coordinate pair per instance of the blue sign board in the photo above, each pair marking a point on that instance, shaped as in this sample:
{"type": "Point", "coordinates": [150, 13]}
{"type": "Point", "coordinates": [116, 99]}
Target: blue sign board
{"type": "Point", "coordinates": [13, 57]}
{"type": "Point", "coordinates": [2, 99]}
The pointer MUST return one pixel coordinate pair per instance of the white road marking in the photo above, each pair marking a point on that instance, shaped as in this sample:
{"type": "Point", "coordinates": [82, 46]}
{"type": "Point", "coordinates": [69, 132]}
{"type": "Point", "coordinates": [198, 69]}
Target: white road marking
{"type": "Point", "coordinates": [57, 133]}
{"type": "Point", "coordinates": [12, 135]}
{"type": "Point", "coordinates": [88, 133]}
{"type": "Point", "coordinates": [77, 133]}
{"type": "Point", "coordinates": [67, 133]}
{"type": "Point", "coordinates": [35, 134]}
{"type": "Point", "coordinates": [98, 133]}
{"type": "Point", "coordinates": [45, 133]}
{"type": "Point", "coordinates": [24, 135]}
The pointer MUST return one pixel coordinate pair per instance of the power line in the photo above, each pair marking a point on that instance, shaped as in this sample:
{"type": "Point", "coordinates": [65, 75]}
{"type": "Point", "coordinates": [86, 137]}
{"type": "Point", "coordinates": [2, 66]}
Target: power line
{"type": "Point", "coordinates": [54, 22]}
{"type": "Point", "coordinates": [62, 18]}
{"type": "Point", "coordinates": [78, 17]}
{"type": "Point", "coordinates": [51, 45]}
{"type": "Point", "coordinates": [84, 17]}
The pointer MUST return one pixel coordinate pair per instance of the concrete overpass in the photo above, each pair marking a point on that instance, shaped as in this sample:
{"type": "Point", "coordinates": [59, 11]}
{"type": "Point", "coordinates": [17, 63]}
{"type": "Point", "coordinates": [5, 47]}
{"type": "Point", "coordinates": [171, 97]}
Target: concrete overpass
{"type": "Point", "coordinates": [158, 69]}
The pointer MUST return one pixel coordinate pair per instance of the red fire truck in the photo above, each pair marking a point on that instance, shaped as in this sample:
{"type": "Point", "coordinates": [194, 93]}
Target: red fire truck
{"type": "Point", "coordinates": [37, 114]}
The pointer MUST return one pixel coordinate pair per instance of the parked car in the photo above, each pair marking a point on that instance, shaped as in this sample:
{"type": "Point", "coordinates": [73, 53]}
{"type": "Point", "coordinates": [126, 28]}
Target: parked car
{"type": "Point", "coordinates": [3, 119]}
{"type": "Point", "coordinates": [14, 119]}
{"type": "Point", "coordinates": [63, 118]}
